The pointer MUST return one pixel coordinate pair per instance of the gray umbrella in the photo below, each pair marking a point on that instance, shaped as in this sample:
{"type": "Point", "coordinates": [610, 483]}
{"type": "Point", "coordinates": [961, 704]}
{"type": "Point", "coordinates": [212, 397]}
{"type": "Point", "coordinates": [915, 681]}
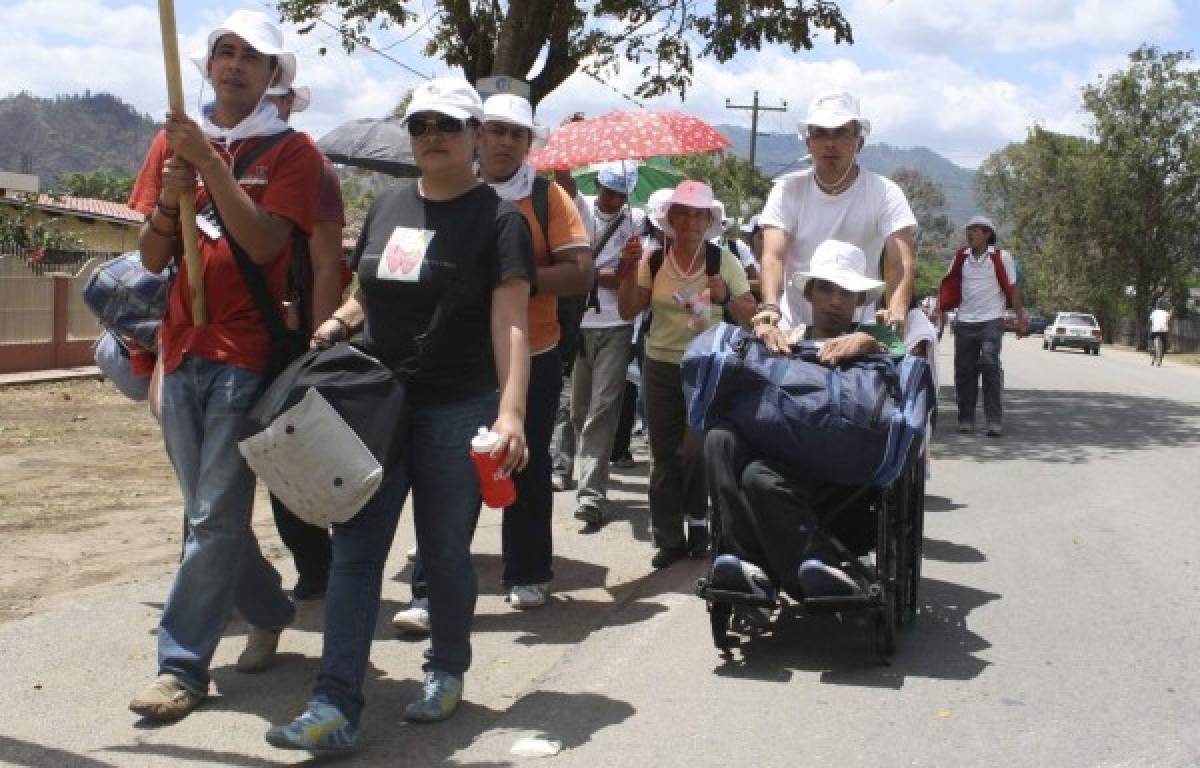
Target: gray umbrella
{"type": "Point", "coordinates": [377, 144]}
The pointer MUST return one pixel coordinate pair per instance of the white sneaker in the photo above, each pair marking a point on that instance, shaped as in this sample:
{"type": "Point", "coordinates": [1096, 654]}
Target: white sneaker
{"type": "Point", "coordinates": [414, 618]}
{"type": "Point", "coordinates": [411, 554]}
{"type": "Point", "coordinates": [528, 595]}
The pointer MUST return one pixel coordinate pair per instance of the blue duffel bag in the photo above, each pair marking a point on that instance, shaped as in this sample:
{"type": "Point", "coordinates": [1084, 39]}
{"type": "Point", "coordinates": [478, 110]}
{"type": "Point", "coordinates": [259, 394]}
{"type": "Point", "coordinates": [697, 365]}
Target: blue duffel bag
{"type": "Point", "coordinates": [851, 424]}
{"type": "Point", "coordinates": [128, 299]}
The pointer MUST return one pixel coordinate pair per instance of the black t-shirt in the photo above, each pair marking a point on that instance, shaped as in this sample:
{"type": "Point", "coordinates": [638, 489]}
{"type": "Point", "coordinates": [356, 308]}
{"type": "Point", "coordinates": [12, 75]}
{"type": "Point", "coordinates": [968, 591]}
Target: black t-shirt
{"type": "Point", "coordinates": [415, 254]}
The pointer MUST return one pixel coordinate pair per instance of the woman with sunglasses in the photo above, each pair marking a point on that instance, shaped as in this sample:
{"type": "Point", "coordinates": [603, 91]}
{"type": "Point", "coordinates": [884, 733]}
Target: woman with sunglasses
{"type": "Point", "coordinates": [444, 269]}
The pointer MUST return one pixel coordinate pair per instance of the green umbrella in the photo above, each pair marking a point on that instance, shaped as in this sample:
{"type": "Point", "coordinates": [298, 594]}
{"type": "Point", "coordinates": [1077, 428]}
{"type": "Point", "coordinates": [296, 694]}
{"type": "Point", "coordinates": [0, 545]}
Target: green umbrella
{"type": "Point", "coordinates": [653, 174]}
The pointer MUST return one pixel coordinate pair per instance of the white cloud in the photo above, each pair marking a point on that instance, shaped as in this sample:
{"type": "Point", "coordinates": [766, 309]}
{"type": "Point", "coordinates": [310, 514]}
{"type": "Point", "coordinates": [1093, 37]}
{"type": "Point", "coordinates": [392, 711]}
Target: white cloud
{"type": "Point", "coordinates": [980, 26]}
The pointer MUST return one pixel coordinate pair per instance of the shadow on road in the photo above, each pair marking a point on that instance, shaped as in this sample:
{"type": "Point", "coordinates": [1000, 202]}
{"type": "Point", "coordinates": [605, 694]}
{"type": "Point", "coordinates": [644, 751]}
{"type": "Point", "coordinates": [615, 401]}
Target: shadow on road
{"type": "Point", "coordinates": [938, 644]}
{"type": "Point", "coordinates": [1071, 427]}
{"type": "Point", "coordinates": [26, 753]}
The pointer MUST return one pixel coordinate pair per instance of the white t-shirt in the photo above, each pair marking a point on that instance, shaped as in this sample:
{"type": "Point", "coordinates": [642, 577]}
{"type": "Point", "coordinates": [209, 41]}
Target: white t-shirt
{"type": "Point", "coordinates": [1160, 321]}
{"type": "Point", "coordinates": [982, 296]}
{"type": "Point", "coordinates": [866, 214]}
{"type": "Point", "coordinates": [608, 316]}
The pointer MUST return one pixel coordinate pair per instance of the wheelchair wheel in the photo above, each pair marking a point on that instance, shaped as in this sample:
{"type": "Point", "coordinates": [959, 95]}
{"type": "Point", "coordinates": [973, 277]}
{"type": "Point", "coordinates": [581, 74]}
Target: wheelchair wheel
{"type": "Point", "coordinates": [718, 616]}
{"type": "Point", "coordinates": [887, 563]}
{"type": "Point", "coordinates": [916, 541]}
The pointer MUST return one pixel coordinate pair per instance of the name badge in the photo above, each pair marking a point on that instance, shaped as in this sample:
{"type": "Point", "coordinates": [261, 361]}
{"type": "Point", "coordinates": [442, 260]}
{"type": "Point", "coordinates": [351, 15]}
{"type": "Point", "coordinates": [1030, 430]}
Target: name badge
{"type": "Point", "coordinates": [404, 254]}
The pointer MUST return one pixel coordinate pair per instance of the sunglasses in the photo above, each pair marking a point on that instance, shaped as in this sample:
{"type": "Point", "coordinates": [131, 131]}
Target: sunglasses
{"type": "Point", "coordinates": [419, 126]}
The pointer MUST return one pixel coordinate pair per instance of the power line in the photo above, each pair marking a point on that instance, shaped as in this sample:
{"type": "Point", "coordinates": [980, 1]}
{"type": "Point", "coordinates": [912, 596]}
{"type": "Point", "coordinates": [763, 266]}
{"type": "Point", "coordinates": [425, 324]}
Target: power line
{"type": "Point", "coordinates": [754, 109]}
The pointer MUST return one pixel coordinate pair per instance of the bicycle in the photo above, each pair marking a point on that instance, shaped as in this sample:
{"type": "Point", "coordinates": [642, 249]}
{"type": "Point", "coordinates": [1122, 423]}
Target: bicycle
{"type": "Point", "coordinates": [1158, 348]}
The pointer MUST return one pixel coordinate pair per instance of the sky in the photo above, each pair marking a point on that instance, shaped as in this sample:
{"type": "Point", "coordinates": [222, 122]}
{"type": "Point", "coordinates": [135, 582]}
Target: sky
{"type": "Point", "coordinates": [962, 77]}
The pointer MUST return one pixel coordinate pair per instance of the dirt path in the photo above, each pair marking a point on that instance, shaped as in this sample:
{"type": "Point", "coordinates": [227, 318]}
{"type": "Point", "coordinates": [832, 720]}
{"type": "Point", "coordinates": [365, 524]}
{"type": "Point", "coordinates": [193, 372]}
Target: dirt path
{"type": "Point", "coordinates": [87, 495]}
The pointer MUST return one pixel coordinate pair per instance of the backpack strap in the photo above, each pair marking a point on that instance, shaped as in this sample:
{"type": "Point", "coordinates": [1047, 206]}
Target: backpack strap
{"type": "Point", "coordinates": [597, 247]}
{"type": "Point", "coordinates": [541, 207]}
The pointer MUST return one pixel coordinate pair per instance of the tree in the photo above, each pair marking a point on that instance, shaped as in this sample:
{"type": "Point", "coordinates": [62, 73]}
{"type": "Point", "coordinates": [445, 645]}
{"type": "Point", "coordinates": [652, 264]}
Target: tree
{"type": "Point", "coordinates": [1147, 121]}
{"type": "Point", "coordinates": [664, 36]}
{"type": "Point", "coordinates": [1095, 217]}
{"type": "Point", "coordinates": [928, 203]}
{"type": "Point", "coordinates": [734, 181]}
{"type": "Point", "coordinates": [18, 230]}
{"type": "Point", "coordinates": [104, 184]}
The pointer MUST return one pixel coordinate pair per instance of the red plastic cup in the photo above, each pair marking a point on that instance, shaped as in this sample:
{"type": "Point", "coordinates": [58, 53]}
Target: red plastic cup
{"type": "Point", "coordinates": [498, 492]}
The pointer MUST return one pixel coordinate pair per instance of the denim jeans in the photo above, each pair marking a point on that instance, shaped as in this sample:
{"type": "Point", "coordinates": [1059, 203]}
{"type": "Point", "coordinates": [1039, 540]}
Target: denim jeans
{"type": "Point", "coordinates": [597, 386]}
{"type": "Point", "coordinates": [437, 469]}
{"type": "Point", "coordinates": [204, 415]}
{"type": "Point", "coordinates": [677, 487]}
{"type": "Point", "coordinates": [977, 356]}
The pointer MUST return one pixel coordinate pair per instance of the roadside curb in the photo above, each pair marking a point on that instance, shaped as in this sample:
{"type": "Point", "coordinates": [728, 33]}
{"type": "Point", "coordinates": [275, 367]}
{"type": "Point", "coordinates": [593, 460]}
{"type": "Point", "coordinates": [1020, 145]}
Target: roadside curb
{"type": "Point", "coordinates": [50, 376]}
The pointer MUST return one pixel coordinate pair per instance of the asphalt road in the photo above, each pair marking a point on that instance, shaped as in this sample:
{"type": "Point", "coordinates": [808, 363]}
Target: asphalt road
{"type": "Point", "coordinates": [1057, 627]}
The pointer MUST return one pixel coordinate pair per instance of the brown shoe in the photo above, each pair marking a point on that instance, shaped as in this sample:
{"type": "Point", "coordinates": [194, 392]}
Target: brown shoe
{"type": "Point", "coordinates": [259, 653]}
{"type": "Point", "coordinates": [165, 699]}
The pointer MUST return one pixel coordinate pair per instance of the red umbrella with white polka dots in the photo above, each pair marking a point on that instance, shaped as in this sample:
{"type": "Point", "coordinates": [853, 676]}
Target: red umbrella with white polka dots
{"type": "Point", "coordinates": [627, 136]}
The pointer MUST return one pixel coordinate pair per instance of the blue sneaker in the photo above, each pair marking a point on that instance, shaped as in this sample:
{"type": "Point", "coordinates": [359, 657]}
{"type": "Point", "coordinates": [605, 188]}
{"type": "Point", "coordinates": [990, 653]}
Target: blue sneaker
{"type": "Point", "coordinates": [322, 729]}
{"type": "Point", "coordinates": [820, 580]}
{"type": "Point", "coordinates": [439, 699]}
{"type": "Point", "coordinates": [732, 575]}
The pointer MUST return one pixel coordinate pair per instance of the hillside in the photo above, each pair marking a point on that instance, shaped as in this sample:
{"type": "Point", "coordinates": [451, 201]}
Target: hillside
{"type": "Point", "coordinates": [780, 152]}
{"type": "Point", "coordinates": [78, 133]}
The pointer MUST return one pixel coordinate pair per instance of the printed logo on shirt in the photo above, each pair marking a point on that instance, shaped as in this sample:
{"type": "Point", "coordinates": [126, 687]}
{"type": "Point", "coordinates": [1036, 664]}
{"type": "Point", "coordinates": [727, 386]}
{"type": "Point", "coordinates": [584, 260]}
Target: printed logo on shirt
{"type": "Point", "coordinates": [256, 176]}
{"type": "Point", "coordinates": [404, 254]}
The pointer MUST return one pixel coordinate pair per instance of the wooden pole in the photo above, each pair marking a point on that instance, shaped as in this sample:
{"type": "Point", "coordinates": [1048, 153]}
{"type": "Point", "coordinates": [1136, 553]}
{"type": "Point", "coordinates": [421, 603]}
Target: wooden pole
{"type": "Point", "coordinates": [187, 205]}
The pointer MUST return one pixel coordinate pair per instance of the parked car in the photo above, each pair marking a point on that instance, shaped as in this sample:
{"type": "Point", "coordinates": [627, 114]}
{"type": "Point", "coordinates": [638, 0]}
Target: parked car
{"type": "Point", "coordinates": [1073, 329]}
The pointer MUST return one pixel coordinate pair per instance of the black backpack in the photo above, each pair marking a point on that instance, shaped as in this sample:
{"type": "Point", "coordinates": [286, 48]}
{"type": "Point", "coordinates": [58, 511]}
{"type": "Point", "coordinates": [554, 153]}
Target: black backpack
{"type": "Point", "coordinates": [712, 266]}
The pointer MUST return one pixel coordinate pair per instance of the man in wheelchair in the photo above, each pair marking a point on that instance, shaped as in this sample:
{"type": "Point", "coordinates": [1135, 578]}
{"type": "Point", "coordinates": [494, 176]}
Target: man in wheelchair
{"type": "Point", "coordinates": [767, 513]}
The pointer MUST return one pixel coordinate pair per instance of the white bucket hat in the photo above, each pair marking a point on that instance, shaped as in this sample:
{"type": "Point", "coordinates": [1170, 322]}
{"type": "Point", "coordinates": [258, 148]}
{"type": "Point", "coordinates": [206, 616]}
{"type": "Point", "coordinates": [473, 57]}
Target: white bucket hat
{"type": "Point", "coordinates": [693, 194]}
{"type": "Point", "coordinates": [655, 203]}
{"type": "Point", "coordinates": [514, 110]}
{"type": "Point", "coordinates": [832, 109]}
{"type": "Point", "coordinates": [301, 95]}
{"type": "Point", "coordinates": [621, 176]}
{"type": "Point", "coordinates": [263, 35]}
{"type": "Point", "coordinates": [840, 263]}
{"type": "Point", "coordinates": [448, 96]}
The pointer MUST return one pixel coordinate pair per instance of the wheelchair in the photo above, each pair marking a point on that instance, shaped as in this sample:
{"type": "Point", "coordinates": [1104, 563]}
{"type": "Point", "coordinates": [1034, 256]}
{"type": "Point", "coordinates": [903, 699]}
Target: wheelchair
{"type": "Point", "coordinates": [888, 523]}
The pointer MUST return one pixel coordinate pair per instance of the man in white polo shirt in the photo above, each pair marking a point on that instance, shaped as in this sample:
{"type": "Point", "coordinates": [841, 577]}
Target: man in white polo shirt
{"type": "Point", "coordinates": [981, 283]}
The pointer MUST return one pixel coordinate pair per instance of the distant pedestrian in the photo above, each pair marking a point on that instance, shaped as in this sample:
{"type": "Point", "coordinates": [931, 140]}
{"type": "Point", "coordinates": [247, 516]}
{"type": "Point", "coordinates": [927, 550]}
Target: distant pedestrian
{"type": "Point", "coordinates": [981, 284]}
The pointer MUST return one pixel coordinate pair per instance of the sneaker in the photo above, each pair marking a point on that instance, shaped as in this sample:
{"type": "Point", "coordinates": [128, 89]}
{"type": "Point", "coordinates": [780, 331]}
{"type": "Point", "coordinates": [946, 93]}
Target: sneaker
{"type": "Point", "coordinates": [439, 699]}
{"type": "Point", "coordinates": [697, 539]}
{"type": "Point", "coordinates": [624, 461]}
{"type": "Point", "coordinates": [820, 580]}
{"type": "Point", "coordinates": [561, 483]}
{"type": "Point", "coordinates": [664, 557]}
{"type": "Point", "coordinates": [965, 427]}
{"type": "Point", "coordinates": [166, 699]}
{"type": "Point", "coordinates": [259, 653]}
{"type": "Point", "coordinates": [321, 729]}
{"type": "Point", "coordinates": [414, 618]}
{"type": "Point", "coordinates": [411, 554]}
{"type": "Point", "coordinates": [528, 595]}
{"type": "Point", "coordinates": [310, 587]}
{"type": "Point", "coordinates": [588, 513]}
{"type": "Point", "coordinates": [994, 430]}
{"type": "Point", "coordinates": [733, 575]}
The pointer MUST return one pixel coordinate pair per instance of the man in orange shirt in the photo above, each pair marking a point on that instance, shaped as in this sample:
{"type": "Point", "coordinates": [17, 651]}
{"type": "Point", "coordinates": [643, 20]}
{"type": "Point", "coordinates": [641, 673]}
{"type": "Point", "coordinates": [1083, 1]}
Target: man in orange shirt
{"type": "Point", "coordinates": [564, 268]}
{"type": "Point", "coordinates": [213, 373]}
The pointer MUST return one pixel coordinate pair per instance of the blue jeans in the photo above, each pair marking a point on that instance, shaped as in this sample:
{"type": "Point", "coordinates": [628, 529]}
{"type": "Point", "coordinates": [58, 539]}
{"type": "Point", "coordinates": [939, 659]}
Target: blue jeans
{"type": "Point", "coordinates": [437, 469]}
{"type": "Point", "coordinates": [204, 408]}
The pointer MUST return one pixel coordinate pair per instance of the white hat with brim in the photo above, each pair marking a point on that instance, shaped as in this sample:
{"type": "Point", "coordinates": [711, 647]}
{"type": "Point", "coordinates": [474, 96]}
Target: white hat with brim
{"type": "Point", "coordinates": [261, 34]}
{"type": "Point", "coordinates": [840, 263]}
{"type": "Point", "coordinates": [620, 176]}
{"type": "Point", "coordinates": [981, 221]}
{"type": "Point", "coordinates": [833, 109]}
{"type": "Point", "coordinates": [301, 95]}
{"type": "Point", "coordinates": [515, 110]}
{"type": "Point", "coordinates": [448, 96]}
{"type": "Point", "coordinates": [693, 194]}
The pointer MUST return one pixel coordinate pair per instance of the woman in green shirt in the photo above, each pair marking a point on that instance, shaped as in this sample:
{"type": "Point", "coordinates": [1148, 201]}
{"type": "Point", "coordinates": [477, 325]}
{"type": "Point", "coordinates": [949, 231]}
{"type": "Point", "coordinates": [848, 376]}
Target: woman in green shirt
{"type": "Point", "coordinates": [687, 285]}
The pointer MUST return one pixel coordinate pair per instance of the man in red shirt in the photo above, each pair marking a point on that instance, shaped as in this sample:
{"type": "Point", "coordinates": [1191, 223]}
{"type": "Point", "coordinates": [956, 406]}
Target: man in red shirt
{"type": "Point", "coordinates": [213, 373]}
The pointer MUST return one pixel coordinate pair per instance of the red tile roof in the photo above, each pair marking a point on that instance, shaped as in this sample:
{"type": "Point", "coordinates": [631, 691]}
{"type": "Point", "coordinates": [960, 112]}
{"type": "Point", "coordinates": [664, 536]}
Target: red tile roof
{"type": "Point", "coordinates": [85, 206]}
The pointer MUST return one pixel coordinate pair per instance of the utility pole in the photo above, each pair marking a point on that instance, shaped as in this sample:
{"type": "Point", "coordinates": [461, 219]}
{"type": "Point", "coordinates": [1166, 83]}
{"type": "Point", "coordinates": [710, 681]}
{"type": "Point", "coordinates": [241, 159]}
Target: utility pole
{"type": "Point", "coordinates": [755, 108]}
